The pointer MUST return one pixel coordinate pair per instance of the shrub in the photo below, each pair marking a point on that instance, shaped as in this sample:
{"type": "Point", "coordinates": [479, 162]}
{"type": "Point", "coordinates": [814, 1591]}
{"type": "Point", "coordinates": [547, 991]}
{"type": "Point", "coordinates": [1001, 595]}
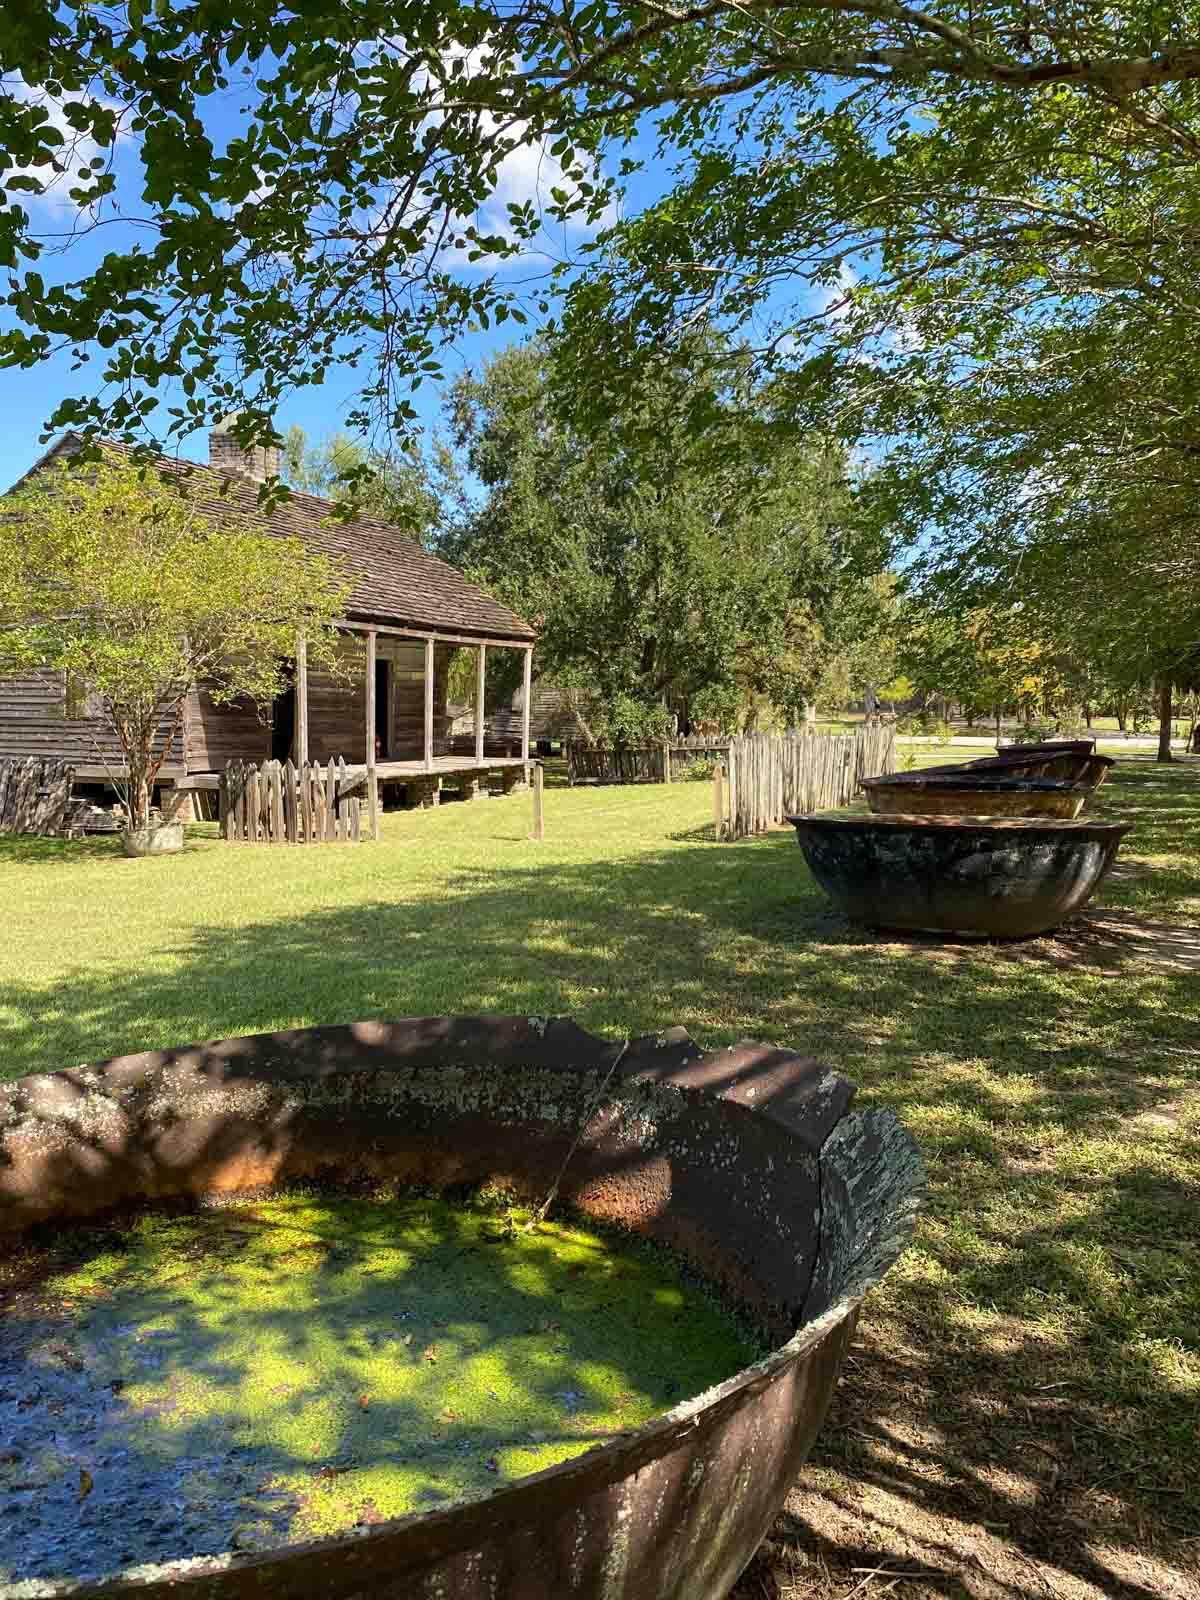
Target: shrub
{"type": "Point", "coordinates": [1036, 733]}
{"type": "Point", "coordinates": [626, 721]}
{"type": "Point", "coordinates": [697, 770]}
{"type": "Point", "coordinates": [925, 726]}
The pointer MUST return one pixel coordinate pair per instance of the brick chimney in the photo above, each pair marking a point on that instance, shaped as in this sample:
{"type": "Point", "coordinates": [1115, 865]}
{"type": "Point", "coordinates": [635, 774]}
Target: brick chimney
{"type": "Point", "coordinates": [226, 454]}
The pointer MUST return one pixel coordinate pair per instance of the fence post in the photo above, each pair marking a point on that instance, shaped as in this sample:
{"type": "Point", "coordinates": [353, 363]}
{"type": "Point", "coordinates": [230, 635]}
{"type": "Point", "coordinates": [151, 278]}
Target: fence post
{"type": "Point", "coordinates": [291, 803]}
{"type": "Point", "coordinates": [718, 801]}
{"type": "Point", "coordinates": [666, 763]}
{"type": "Point", "coordinates": [304, 832]}
{"type": "Point", "coordinates": [539, 820]}
{"type": "Point", "coordinates": [731, 790]}
{"type": "Point", "coordinates": [316, 778]}
{"type": "Point", "coordinates": [253, 807]}
{"type": "Point", "coordinates": [229, 799]}
{"type": "Point", "coordinates": [276, 812]}
{"type": "Point", "coordinates": [343, 804]}
{"type": "Point", "coordinates": [331, 802]}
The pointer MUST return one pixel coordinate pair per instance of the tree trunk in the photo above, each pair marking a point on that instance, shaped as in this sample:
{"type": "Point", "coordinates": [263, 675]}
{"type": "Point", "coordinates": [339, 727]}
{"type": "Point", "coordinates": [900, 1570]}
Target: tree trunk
{"type": "Point", "coordinates": [997, 724]}
{"type": "Point", "coordinates": [1087, 714]}
{"type": "Point", "coordinates": [139, 787]}
{"type": "Point", "coordinates": [1164, 720]}
{"type": "Point", "coordinates": [138, 766]}
{"type": "Point", "coordinates": [1121, 716]}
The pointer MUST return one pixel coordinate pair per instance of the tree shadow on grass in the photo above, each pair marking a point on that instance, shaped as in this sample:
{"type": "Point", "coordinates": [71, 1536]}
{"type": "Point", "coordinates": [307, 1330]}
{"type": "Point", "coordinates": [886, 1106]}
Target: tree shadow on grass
{"type": "Point", "coordinates": [27, 850]}
{"type": "Point", "coordinates": [1159, 858]}
{"type": "Point", "coordinates": [1059, 1245]}
{"type": "Point", "coordinates": [998, 1462]}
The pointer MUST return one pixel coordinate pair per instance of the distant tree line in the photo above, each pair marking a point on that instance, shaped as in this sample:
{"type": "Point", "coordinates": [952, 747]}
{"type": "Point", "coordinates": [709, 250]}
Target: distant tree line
{"type": "Point", "coordinates": [671, 583]}
{"type": "Point", "coordinates": [690, 565]}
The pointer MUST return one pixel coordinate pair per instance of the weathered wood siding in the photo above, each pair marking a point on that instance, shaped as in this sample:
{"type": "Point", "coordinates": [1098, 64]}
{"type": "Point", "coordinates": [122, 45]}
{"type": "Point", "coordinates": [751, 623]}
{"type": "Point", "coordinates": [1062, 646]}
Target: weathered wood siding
{"type": "Point", "coordinates": [32, 724]}
{"type": "Point", "coordinates": [337, 699]}
{"type": "Point", "coordinates": [216, 734]}
{"type": "Point", "coordinates": [337, 702]}
{"type": "Point", "coordinates": [407, 711]}
{"type": "Point", "coordinates": [32, 721]}
{"type": "Point", "coordinates": [337, 708]}
{"type": "Point", "coordinates": [406, 714]}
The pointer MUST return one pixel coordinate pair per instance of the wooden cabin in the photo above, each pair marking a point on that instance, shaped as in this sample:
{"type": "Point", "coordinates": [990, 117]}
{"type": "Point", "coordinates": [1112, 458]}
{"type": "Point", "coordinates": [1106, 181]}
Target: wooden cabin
{"type": "Point", "coordinates": [557, 716]}
{"type": "Point", "coordinates": [383, 711]}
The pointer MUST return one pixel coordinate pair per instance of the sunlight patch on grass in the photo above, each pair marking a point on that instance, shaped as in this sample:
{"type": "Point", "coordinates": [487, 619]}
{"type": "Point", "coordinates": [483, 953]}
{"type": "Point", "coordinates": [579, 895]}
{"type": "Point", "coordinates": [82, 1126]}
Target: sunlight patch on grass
{"type": "Point", "coordinates": [1056, 1097]}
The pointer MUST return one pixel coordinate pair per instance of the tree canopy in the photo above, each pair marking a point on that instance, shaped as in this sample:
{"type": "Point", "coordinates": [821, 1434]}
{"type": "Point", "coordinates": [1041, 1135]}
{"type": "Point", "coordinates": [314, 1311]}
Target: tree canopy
{"type": "Point", "coordinates": [975, 156]}
{"type": "Point", "coordinates": [985, 658]}
{"type": "Point", "coordinates": [396, 487]}
{"type": "Point", "coordinates": [964, 232]}
{"type": "Point", "coordinates": [657, 577]}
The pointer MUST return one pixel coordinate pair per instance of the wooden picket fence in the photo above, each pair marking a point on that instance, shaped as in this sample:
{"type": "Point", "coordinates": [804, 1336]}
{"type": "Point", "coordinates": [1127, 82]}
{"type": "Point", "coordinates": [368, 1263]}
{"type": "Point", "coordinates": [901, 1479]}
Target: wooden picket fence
{"type": "Point", "coordinates": [624, 764]}
{"type": "Point", "coordinates": [279, 803]}
{"type": "Point", "coordinates": [769, 778]}
{"type": "Point", "coordinates": [700, 743]}
{"type": "Point", "coordinates": [649, 763]}
{"type": "Point", "coordinates": [35, 796]}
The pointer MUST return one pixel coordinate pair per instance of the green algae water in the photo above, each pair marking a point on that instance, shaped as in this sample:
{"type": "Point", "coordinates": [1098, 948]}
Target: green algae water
{"type": "Point", "coordinates": [258, 1374]}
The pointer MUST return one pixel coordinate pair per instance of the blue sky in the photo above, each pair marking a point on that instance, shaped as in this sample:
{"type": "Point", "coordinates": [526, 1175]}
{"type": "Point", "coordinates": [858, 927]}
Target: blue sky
{"type": "Point", "coordinates": [28, 397]}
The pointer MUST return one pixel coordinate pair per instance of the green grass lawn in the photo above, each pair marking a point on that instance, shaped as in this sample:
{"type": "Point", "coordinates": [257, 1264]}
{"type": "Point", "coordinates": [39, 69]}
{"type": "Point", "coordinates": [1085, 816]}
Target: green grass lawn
{"type": "Point", "coordinates": [1022, 1414]}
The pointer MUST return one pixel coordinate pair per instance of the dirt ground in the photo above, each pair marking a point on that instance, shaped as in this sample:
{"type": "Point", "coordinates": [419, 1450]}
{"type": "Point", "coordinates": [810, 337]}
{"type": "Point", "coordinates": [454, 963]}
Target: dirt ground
{"type": "Point", "coordinates": [993, 1484]}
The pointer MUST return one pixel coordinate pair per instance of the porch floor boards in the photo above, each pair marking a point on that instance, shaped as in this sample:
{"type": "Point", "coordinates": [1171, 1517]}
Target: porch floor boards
{"type": "Point", "coordinates": [443, 767]}
{"type": "Point", "coordinates": [385, 771]}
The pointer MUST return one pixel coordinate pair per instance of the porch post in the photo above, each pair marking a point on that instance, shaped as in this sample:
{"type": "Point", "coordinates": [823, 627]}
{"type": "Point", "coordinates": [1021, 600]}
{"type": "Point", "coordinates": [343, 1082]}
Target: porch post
{"type": "Point", "coordinates": [301, 702]}
{"type": "Point", "coordinates": [525, 705]}
{"type": "Point", "coordinates": [372, 784]}
{"type": "Point", "coordinates": [480, 670]}
{"type": "Point", "coordinates": [429, 705]}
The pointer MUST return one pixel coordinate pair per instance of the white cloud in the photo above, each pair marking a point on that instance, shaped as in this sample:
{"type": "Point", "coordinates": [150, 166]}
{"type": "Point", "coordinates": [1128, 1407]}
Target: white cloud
{"type": "Point", "coordinates": [76, 150]}
{"type": "Point", "coordinates": [834, 301]}
{"type": "Point", "coordinates": [822, 307]}
{"type": "Point", "coordinates": [526, 174]}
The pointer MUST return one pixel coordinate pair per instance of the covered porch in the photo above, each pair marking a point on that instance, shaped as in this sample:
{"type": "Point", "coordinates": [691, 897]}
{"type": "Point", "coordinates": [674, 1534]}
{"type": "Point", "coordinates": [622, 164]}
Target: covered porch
{"type": "Point", "coordinates": [469, 775]}
{"type": "Point", "coordinates": [381, 758]}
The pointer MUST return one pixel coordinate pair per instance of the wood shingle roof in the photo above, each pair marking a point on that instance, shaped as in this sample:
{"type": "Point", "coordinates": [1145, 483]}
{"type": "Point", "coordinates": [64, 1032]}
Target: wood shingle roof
{"type": "Point", "coordinates": [394, 579]}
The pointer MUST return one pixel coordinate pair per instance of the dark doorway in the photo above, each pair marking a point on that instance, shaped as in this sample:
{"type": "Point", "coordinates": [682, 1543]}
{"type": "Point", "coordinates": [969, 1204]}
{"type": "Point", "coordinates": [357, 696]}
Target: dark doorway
{"type": "Point", "coordinates": [283, 724]}
{"type": "Point", "coordinates": [383, 720]}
